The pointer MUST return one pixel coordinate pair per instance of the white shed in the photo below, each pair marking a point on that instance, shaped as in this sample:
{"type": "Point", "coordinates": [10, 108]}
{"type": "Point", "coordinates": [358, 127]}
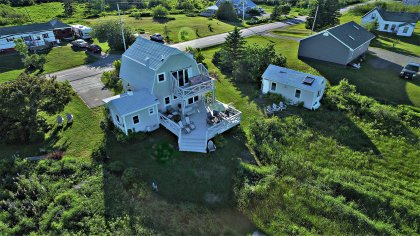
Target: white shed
{"type": "Point", "coordinates": [294, 86]}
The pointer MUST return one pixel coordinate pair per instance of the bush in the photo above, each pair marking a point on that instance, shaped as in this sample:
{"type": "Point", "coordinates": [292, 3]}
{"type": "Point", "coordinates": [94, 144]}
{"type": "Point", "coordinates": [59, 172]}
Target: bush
{"type": "Point", "coordinates": [163, 152]}
{"type": "Point", "coordinates": [160, 12]}
{"type": "Point", "coordinates": [130, 176]}
{"type": "Point", "coordinates": [116, 167]}
{"type": "Point", "coordinates": [226, 12]}
{"type": "Point", "coordinates": [99, 154]}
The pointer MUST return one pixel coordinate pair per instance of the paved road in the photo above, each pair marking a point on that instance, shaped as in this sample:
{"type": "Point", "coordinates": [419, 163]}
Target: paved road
{"type": "Point", "coordinates": [86, 80]}
{"type": "Point", "coordinates": [220, 38]}
{"type": "Point", "coordinates": [346, 9]}
{"type": "Point", "coordinates": [393, 57]}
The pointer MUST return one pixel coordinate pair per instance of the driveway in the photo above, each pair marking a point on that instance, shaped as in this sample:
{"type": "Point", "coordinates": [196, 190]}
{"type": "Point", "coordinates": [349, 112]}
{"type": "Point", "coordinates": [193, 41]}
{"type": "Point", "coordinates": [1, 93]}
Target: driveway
{"type": "Point", "coordinates": [396, 58]}
{"type": "Point", "coordinates": [86, 80]}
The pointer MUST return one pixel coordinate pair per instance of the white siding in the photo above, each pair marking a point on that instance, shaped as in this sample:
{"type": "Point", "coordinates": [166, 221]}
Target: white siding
{"type": "Point", "coordinates": [37, 39]}
{"type": "Point", "coordinates": [387, 26]}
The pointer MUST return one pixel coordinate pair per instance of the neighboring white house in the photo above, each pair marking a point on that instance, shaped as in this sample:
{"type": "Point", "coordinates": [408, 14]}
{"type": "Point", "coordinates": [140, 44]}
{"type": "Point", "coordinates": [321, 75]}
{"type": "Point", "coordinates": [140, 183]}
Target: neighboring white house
{"type": "Point", "coordinates": [294, 86]}
{"type": "Point", "coordinates": [399, 23]}
{"type": "Point", "coordinates": [210, 11]}
{"type": "Point", "coordinates": [411, 2]}
{"type": "Point", "coordinates": [82, 31]}
{"type": "Point", "coordinates": [165, 86]}
{"type": "Point", "coordinates": [36, 36]}
{"type": "Point", "coordinates": [239, 5]}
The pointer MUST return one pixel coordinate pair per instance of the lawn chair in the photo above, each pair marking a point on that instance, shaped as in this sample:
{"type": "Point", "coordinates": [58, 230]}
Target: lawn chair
{"type": "Point", "coordinates": [282, 106]}
{"type": "Point", "coordinates": [69, 118]}
{"type": "Point", "coordinates": [60, 120]}
{"type": "Point", "coordinates": [276, 108]}
{"type": "Point", "coordinates": [269, 110]}
{"type": "Point", "coordinates": [189, 123]}
{"type": "Point", "coordinates": [210, 146]}
{"type": "Point", "coordinates": [186, 129]}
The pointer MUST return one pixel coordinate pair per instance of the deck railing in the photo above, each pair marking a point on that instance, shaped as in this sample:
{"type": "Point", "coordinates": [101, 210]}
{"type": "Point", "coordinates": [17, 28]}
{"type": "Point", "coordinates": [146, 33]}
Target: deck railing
{"type": "Point", "coordinates": [191, 90]}
{"type": "Point", "coordinates": [225, 123]}
{"type": "Point", "coordinates": [169, 124]}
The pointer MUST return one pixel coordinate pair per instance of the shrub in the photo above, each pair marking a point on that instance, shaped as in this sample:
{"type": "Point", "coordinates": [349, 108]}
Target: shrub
{"type": "Point", "coordinates": [116, 167]}
{"type": "Point", "coordinates": [163, 152]}
{"type": "Point", "coordinates": [130, 176]}
{"type": "Point", "coordinates": [160, 12]}
{"type": "Point", "coordinates": [99, 154]}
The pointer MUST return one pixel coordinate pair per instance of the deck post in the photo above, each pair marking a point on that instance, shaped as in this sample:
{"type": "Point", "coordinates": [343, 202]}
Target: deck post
{"type": "Point", "coordinates": [213, 98]}
{"type": "Point", "coordinates": [183, 107]}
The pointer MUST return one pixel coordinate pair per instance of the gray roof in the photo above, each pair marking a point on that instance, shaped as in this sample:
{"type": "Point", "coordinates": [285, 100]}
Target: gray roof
{"type": "Point", "coordinates": [293, 78]}
{"type": "Point", "coordinates": [149, 52]}
{"type": "Point", "coordinates": [248, 3]}
{"type": "Point", "coordinates": [407, 17]}
{"type": "Point", "coordinates": [20, 29]}
{"type": "Point", "coordinates": [351, 34]}
{"type": "Point", "coordinates": [125, 104]}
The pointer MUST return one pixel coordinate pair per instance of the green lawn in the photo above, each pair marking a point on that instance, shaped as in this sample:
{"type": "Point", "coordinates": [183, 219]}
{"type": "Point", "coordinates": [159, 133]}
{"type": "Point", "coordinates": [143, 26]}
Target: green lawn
{"type": "Point", "coordinates": [296, 31]}
{"type": "Point", "coordinates": [58, 58]}
{"type": "Point", "coordinates": [183, 28]}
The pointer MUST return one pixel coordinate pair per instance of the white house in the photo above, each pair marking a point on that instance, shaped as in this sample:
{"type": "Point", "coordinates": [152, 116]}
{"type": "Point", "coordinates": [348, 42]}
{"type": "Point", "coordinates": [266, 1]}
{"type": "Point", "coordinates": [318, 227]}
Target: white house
{"type": "Point", "coordinates": [399, 23]}
{"type": "Point", "coordinates": [294, 86]}
{"type": "Point", "coordinates": [165, 86]}
{"type": "Point", "coordinates": [36, 36]}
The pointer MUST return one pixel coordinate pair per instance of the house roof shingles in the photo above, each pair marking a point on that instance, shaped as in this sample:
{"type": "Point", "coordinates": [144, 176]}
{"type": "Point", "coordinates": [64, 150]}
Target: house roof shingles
{"type": "Point", "coordinates": [406, 17]}
{"type": "Point", "coordinates": [126, 104]}
{"type": "Point", "coordinates": [51, 25]}
{"type": "Point", "coordinates": [156, 53]}
{"type": "Point", "coordinates": [351, 34]}
{"type": "Point", "coordinates": [293, 78]}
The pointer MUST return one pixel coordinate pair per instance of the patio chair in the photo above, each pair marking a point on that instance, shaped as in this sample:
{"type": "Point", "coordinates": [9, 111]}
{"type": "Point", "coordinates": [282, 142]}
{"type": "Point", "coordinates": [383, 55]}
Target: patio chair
{"type": "Point", "coordinates": [190, 123]}
{"type": "Point", "coordinates": [269, 110]}
{"type": "Point", "coordinates": [282, 106]}
{"type": "Point", "coordinates": [210, 118]}
{"type": "Point", "coordinates": [210, 146]}
{"type": "Point", "coordinates": [276, 108]}
{"type": "Point", "coordinates": [69, 118]}
{"type": "Point", "coordinates": [60, 120]}
{"type": "Point", "coordinates": [185, 129]}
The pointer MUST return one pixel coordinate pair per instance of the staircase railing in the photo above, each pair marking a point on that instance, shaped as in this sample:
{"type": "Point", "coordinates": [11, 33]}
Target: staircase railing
{"type": "Point", "coordinates": [169, 124]}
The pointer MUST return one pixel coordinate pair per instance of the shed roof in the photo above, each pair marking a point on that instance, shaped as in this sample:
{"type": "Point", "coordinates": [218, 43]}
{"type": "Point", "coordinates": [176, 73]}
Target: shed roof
{"type": "Point", "coordinates": [150, 53]}
{"type": "Point", "coordinates": [293, 78]}
{"type": "Point", "coordinates": [350, 34]}
{"type": "Point", "coordinates": [20, 29]}
{"type": "Point", "coordinates": [125, 104]}
{"type": "Point", "coordinates": [407, 17]}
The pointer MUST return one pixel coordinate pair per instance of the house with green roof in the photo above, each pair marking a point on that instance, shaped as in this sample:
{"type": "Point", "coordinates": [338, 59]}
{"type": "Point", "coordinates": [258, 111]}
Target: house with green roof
{"type": "Point", "coordinates": [399, 23]}
{"type": "Point", "coordinates": [39, 35]}
{"type": "Point", "coordinates": [167, 87]}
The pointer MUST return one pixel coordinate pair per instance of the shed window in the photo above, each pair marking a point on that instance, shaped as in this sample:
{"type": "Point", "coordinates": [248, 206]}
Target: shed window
{"type": "Point", "coordinates": [273, 86]}
{"type": "Point", "coordinates": [136, 119]}
{"type": "Point", "coordinates": [167, 100]}
{"type": "Point", "coordinates": [161, 77]}
{"type": "Point", "coordinates": [151, 111]}
{"type": "Point", "coordinates": [297, 93]}
{"type": "Point", "coordinates": [405, 30]}
{"type": "Point", "coordinates": [45, 36]}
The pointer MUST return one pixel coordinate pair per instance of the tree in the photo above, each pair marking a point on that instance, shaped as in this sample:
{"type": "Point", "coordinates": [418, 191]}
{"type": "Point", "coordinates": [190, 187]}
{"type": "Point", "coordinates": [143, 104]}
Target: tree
{"type": "Point", "coordinates": [29, 60]}
{"type": "Point", "coordinates": [285, 9]}
{"type": "Point", "coordinates": [233, 48]}
{"type": "Point", "coordinates": [21, 102]}
{"type": "Point", "coordinates": [328, 14]}
{"type": "Point", "coordinates": [68, 8]}
{"type": "Point", "coordinates": [160, 12]}
{"type": "Point", "coordinates": [226, 12]}
{"type": "Point", "coordinates": [275, 15]}
{"type": "Point", "coordinates": [97, 6]}
{"type": "Point", "coordinates": [111, 32]}
{"type": "Point", "coordinates": [166, 32]}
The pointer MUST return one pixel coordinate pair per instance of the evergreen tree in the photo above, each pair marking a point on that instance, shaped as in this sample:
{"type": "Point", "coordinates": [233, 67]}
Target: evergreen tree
{"type": "Point", "coordinates": [226, 12]}
{"type": "Point", "coordinates": [328, 14]}
{"type": "Point", "coordinates": [233, 48]}
{"type": "Point", "coordinates": [68, 8]}
{"type": "Point", "coordinates": [276, 13]}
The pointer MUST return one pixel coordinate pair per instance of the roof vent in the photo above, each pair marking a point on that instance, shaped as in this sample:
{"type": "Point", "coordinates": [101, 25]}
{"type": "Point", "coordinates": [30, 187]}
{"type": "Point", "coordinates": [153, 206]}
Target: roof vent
{"type": "Point", "coordinates": [283, 72]}
{"type": "Point", "coordinates": [308, 80]}
{"type": "Point", "coordinates": [162, 58]}
{"type": "Point", "coordinates": [325, 34]}
{"type": "Point", "coordinates": [147, 61]}
{"type": "Point", "coordinates": [351, 38]}
{"type": "Point", "coordinates": [356, 27]}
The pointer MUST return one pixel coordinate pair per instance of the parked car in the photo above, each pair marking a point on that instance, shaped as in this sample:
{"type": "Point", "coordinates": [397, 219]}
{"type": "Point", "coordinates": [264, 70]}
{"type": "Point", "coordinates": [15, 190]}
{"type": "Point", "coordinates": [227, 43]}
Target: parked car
{"type": "Point", "coordinates": [157, 38]}
{"type": "Point", "coordinates": [94, 48]}
{"type": "Point", "coordinates": [410, 71]}
{"type": "Point", "coordinates": [80, 43]}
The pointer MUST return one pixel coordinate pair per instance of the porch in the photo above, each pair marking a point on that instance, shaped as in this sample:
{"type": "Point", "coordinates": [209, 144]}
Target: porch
{"type": "Point", "coordinates": [209, 120]}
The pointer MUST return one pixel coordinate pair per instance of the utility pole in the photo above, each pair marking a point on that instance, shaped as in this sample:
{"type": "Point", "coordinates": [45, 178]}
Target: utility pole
{"type": "Point", "coordinates": [122, 28]}
{"type": "Point", "coordinates": [243, 11]}
{"type": "Point", "coordinates": [316, 14]}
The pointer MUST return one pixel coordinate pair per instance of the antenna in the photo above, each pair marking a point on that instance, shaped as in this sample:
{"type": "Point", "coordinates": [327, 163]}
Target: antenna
{"type": "Point", "coordinates": [122, 28]}
{"type": "Point", "coordinates": [316, 14]}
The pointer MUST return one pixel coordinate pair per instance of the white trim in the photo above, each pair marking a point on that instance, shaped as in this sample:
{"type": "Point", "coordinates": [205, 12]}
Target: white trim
{"type": "Point", "coordinates": [164, 77]}
{"type": "Point", "coordinates": [170, 101]}
{"type": "Point", "coordinates": [153, 111]}
{"type": "Point", "coordinates": [132, 119]}
{"type": "Point", "coordinates": [300, 94]}
{"type": "Point", "coordinates": [140, 109]}
{"type": "Point", "coordinates": [271, 86]}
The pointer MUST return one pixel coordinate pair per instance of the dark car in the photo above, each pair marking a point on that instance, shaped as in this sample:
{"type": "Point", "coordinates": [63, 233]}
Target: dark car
{"type": "Point", "coordinates": [157, 38]}
{"type": "Point", "coordinates": [80, 43]}
{"type": "Point", "coordinates": [94, 48]}
{"type": "Point", "coordinates": [410, 71]}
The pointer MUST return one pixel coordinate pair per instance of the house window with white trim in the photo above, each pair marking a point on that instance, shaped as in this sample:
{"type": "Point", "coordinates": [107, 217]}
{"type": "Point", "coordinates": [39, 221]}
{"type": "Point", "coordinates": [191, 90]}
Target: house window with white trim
{"type": "Point", "coordinates": [182, 76]}
{"type": "Point", "coordinates": [297, 93]}
{"type": "Point", "coordinates": [192, 100]}
{"type": "Point", "coordinates": [319, 93]}
{"type": "Point", "coordinates": [45, 36]}
{"type": "Point", "coordinates": [386, 26]}
{"type": "Point", "coordinates": [161, 77]}
{"type": "Point", "coordinates": [11, 39]}
{"type": "Point", "coordinates": [405, 30]}
{"type": "Point", "coordinates": [167, 100]}
{"type": "Point", "coordinates": [273, 86]}
{"type": "Point", "coordinates": [393, 26]}
{"type": "Point", "coordinates": [151, 111]}
{"type": "Point", "coordinates": [373, 16]}
{"type": "Point", "coordinates": [136, 120]}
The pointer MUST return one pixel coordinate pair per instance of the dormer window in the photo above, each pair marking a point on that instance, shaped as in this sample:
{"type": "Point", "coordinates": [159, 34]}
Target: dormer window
{"type": "Point", "coordinates": [161, 77]}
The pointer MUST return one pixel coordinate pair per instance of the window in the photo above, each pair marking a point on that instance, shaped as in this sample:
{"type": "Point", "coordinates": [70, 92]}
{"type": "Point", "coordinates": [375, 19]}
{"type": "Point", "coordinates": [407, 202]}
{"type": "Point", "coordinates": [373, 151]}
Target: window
{"type": "Point", "coordinates": [182, 76]}
{"type": "Point", "coordinates": [151, 111]}
{"type": "Point", "coordinates": [319, 93]}
{"type": "Point", "coordinates": [167, 100]}
{"type": "Point", "coordinates": [45, 36]}
{"type": "Point", "coordinates": [373, 16]}
{"type": "Point", "coordinates": [118, 118]}
{"type": "Point", "coordinates": [175, 97]}
{"type": "Point", "coordinates": [38, 38]}
{"type": "Point", "coordinates": [192, 100]}
{"type": "Point", "coordinates": [405, 30]}
{"type": "Point", "coordinates": [393, 27]}
{"type": "Point", "coordinates": [273, 86]}
{"type": "Point", "coordinates": [10, 39]}
{"type": "Point", "coordinates": [26, 38]}
{"type": "Point", "coordinates": [161, 77]}
{"type": "Point", "coordinates": [386, 26]}
{"type": "Point", "coordinates": [136, 120]}
{"type": "Point", "coordinates": [297, 93]}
